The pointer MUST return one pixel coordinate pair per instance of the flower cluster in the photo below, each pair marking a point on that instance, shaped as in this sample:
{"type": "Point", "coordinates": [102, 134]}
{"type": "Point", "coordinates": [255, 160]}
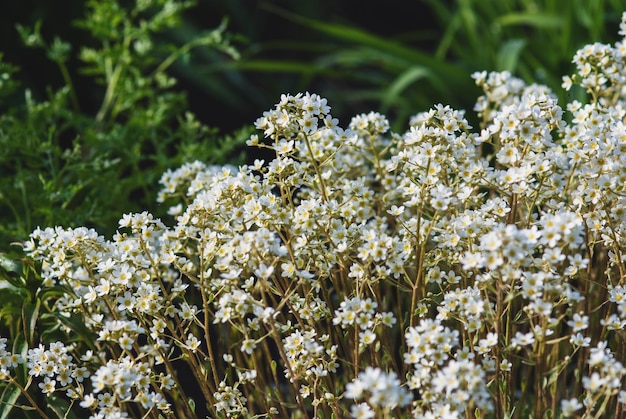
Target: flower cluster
{"type": "Point", "coordinates": [55, 365]}
{"type": "Point", "coordinates": [446, 383]}
{"type": "Point", "coordinates": [379, 388]}
{"type": "Point", "coordinates": [440, 272]}
{"type": "Point", "coordinates": [8, 360]}
{"type": "Point", "coordinates": [308, 362]}
{"type": "Point", "coordinates": [356, 312]}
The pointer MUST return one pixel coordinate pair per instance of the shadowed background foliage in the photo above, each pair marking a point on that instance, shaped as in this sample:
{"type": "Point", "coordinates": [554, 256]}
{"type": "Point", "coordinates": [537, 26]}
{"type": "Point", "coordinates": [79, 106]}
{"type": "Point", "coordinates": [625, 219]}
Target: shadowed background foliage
{"type": "Point", "coordinates": [399, 59]}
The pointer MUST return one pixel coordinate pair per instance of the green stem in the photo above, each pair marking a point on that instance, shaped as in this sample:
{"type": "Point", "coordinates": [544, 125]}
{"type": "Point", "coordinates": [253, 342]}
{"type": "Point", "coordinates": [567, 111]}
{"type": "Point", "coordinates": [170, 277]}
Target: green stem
{"type": "Point", "coordinates": [379, 170]}
{"type": "Point", "coordinates": [285, 359]}
{"type": "Point", "coordinates": [110, 93]}
{"type": "Point", "coordinates": [206, 324]}
{"type": "Point", "coordinates": [569, 179]}
{"type": "Point", "coordinates": [172, 372]}
{"type": "Point", "coordinates": [317, 169]}
{"type": "Point", "coordinates": [68, 81]}
{"type": "Point", "coordinates": [540, 407]}
{"type": "Point", "coordinates": [171, 59]}
{"type": "Point", "coordinates": [113, 81]}
{"type": "Point", "coordinates": [29, 398]}
{"type": "Point", "coordinates": [498, 350]}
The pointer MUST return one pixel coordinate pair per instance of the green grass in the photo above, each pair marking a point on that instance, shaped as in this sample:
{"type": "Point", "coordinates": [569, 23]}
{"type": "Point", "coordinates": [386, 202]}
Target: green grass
{"type": "Point", "coordinates": [534, 40]}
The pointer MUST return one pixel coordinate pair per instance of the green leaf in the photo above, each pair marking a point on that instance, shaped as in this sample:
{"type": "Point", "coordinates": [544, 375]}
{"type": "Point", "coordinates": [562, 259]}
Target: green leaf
{"type": "Point", "coordinates": [509, 54]}
{"type": "Point", "coordinates": [192, 405]}
{"type": "Point", "coordinates": [10, 270]}
{"type": "Point", "coordinates": [405, 79]}
{"type": "Point", "coordinates": [77, 326]}
{"type": "Point", "coordinates": [543, 20]}
{"type": "Point", "coordinates": [7, 401]}
{"type": "Point", "coordinates": [280, 66]}
{"type": "Point", "coordinates": [31, 37]}
{"type": "Point", "coordinates": [364, 38]}
{"type": "Point", "coordinates": [10, 298]}
{"type": "Point", "coordinates": [59, 50]}
{"type": "Point", "coordinates": [59, 406]}
{"type": "Point", "coordinates": [30, 315]}
{"type": "Point", "coordinates": [20, 346]}
{"type": "Point", "coordinates": [51, 292]}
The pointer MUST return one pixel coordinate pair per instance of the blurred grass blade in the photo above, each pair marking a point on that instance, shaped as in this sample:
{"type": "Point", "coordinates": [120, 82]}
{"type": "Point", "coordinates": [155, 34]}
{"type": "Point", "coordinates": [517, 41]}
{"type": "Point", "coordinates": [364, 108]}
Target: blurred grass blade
{"type": "Point", "coordinates": [405, 79]}
{"type": "Point", "coordinates": [278, 66]}
{"type": "Point", "coordinates": [509, 54]}
{"type": "Point", "coordinates": [447, 39]}
{"type": "Point", "coordinates": [538, 20]}
{"type": "Point", "coordinates": [364, 38]}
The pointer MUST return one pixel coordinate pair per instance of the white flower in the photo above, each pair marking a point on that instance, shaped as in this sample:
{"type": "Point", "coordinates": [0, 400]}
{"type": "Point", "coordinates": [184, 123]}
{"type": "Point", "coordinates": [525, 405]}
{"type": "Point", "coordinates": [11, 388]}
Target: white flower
{"type": "Point", "coordinates": [88, 401]}
{"type": "Point", "coordinates": [248, 346]}
{"type": "Point", "coordinates": [522, 339]}
{"type": "Point", "coordinates": [579, 340]}
{"type": "Point", "coordinates": [361, 411]}
{"type": "Point", "coordinates": [593, 383]}
{"type": "Point", "coordinates": [47, 386]}
{"type": "Point", "coordinates": [578, 322]}
{"type": "Point", "coordinates": [192, 343]}
{"type": "Point", "coordinates": [569, 407]}
{"type": "Point", "coordinates": [471, 260]}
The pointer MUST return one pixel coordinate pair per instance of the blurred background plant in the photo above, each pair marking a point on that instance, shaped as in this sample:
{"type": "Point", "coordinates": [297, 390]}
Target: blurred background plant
{"type": "Point", "coordinates": [402, 58]}
{"type": "Point", "coordinates": [86, 148]}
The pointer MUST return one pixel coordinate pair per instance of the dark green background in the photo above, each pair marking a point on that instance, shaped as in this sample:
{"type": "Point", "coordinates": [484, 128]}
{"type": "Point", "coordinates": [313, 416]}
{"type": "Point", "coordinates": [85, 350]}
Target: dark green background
{"type": "Point", "coordinates": [220, 96]}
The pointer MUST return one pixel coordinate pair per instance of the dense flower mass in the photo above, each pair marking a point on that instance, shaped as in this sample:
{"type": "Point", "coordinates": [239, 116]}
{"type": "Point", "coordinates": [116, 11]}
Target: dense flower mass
{"type": "Point", "coordinates": [443, 272]}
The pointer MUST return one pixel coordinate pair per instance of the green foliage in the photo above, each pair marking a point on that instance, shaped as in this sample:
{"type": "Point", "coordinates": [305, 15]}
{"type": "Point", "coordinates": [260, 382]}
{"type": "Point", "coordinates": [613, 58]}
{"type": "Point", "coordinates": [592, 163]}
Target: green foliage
{"type": "Point", "coordinates": [70, 163]}
{"type": "Point", "coordinates": [72, 159]}
{"type": "Point", "coordinates": [532, 39]}
{"type": "Point", "coordinates": [20, 308]}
